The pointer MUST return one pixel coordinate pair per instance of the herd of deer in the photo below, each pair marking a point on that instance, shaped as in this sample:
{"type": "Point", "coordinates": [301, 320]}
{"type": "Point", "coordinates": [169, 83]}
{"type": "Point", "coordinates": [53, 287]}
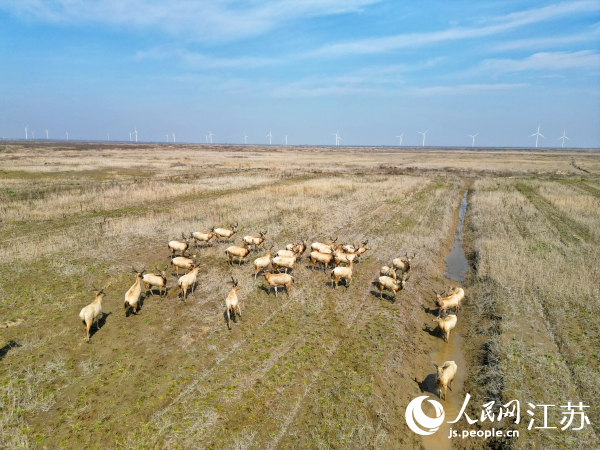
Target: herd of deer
{"type": "Point", "coordinates": [339, 257]}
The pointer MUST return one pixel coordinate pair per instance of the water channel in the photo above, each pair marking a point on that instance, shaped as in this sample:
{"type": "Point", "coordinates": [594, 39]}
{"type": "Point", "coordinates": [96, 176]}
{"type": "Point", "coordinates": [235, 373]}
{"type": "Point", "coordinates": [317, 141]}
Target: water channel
{"type": "Point", "coordinates": [457, 267]}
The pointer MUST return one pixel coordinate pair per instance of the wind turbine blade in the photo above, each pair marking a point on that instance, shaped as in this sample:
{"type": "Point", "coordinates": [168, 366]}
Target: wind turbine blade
{"type": "Point", "coordinates": [542, 135]}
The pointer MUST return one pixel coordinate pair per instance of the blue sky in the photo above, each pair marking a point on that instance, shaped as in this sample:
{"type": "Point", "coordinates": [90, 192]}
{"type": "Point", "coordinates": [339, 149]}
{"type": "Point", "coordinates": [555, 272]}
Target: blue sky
{"type": "Point", "coordinates": [369, 69]}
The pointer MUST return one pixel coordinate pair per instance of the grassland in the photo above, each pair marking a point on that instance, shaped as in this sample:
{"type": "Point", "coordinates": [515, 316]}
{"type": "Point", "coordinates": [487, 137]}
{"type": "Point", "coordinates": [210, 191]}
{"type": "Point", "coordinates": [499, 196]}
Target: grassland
{"type": "Point", "coordinates": [535, 243]}
{"type": "Point", "coordinates": [322, 368]}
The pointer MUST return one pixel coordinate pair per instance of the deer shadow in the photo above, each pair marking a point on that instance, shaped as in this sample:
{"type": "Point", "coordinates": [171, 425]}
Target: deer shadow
{"type": "Point", "coordinates": [317, 268]}
{"type": "Point", "coordinates": [232, 316]}
{"type": "Point", "coordinates": [153, 293]}
{"type": "Point", "coordinates": [433, 311]}
{"type": "Point", "coordinates": [191, 290]}
{"type": "Point", "coordinates": [429, 384]}
{"type": "Point", "coordinates": [271, 289]}
{"type": "Point", "coordinates": [8, 347]}
{"type": "Point", "coordinates": [343, 282]}
{"type": "Point", "coordinates": [389, 297]}
{"type": "Point", "coordinates": [433, 331]}
{"type": "Point", "coordinates": [266, 289]}
{"type": "Point", "coordinates": [99, 323]}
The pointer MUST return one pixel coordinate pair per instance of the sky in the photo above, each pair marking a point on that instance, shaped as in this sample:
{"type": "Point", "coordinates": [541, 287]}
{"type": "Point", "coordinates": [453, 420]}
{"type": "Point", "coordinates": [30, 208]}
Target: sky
{"type": "Point", "coordinates": [370, 70]}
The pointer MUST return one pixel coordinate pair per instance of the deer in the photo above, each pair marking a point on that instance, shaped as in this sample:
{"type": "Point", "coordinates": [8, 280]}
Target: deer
{"type": "Point", "coordinates": [344, 258]}
{"type": "Point", "coordinates": [321, 258]}
{"type": "Point", "coordinates": [323, 248]}
{"type": "Point", "coordinates": [391, 285]}
{"type": "Point", "coordinates": [235, 251]}
{"type": "Point", "coordinates": [286, 253]}
{"type": "Point", "coordinates": [262, 262]}
{"type": "Point", "coordinates": [92, 312]}
{"type": "Point", "coordinates": [458, 292]}
{"type": "Point", "coordinates": [232, 303]}
{"type": "Point", "coordinates": [156, 280]}
{"type": "Point", "coordinates": [187, 280]}
{"type": "Point", "coordinates": [342, 272]}
{"type": "Point", "coordinates": [277, 280]}
{"type": "Point", "coordinates": [133, 295]}
{"type": "Point", "coordinates": [447, 302]}
{"type": "Point", "coordinates": [403, 265]}
{"type": "Point", "coordinates": [298, 249]}
{"type": "Point", "coordinates": [281, 261]}
{"type": "Point", "coordinates": [180, 246]}
{"type": "Point", "coordinates": [348, 248]}
{"type": "Point", "coordinates": [255, 240]}
{"type": "Point", "coordinates": [225, 232]}
{"type": "Point", "coordinates": [446, 323]}
{"type": "Point", "coordinates": [444, 377]}
{"type": "Point", "coordinates": [362, 249]}
{"type": "Point", "coordinates": [387, 271]}
{"type": "Point", "coordinates": [183, 263]}
{"type": "Point", "coordinates": [199, 236]}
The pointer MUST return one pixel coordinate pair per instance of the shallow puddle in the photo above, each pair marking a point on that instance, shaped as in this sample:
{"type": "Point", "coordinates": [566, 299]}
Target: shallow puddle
{"type": "Point", "coordinates": [457, 265]}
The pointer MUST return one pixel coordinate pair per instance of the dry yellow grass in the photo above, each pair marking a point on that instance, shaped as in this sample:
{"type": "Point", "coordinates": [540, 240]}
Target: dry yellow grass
{"type": "Point", "coordinates": [538, 266]}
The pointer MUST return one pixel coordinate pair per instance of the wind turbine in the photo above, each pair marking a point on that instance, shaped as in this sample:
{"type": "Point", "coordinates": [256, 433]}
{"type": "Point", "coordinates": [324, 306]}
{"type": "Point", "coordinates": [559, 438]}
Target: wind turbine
{"type": "Point", "coordinates": [473, 136]}
{"type": "Point", "coordinates": [245, 138]}
{"type": "Point", "coordinates": [129, 137]}
{"type": "Point", "coordinates": [173, 137]}
{"type": "Point", "coordinates": [210, 135]}
{"type": "Point", "coordinates": [270, 136]}
{"type": "Point", "coordinates": [47, 134]}
{"type": "Point", "coordinates": [135, 131]}
{"type": "Point", "coordinates": [206, 136]}
{"type": "Point", "coordinates": [400, 137]}
{"type": "Point", "coordinates": [167, 135]}
{"type": "Point", "coordinates": [563, 137]}
{"type": "Point", "coordinates": [423, 133]}
{"type": "Point", "coordinates": [337, 138]}
{"type": "Point", "coordinates": [67, 133]}
{"type": "Point", "coordinates": [537, 136]}
{"type": "Point", "coordinates": [33, 135]}
{"type": "Point", "coordinates": [26, 131]}
{"type": "Point", "coordinates": [286, 136]}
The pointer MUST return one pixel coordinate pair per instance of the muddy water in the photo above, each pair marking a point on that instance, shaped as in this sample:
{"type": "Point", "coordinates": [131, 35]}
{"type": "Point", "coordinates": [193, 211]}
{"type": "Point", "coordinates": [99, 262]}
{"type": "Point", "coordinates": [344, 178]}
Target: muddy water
{"type": "Point", "coordinates": [457, 265]}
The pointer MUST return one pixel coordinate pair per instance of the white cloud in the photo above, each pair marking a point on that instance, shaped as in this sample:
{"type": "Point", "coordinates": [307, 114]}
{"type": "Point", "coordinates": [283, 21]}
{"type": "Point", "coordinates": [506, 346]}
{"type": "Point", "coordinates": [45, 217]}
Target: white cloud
{"type": "Point", "coordinates": [200, 61]}
{"type": "Point", "coordinates": [498, 25]}
{"type": "Point", "coordinates": [545, 42]}
{"type": "Point", "coordinates": [465, 88]}
{"type": "Point", "coordinates": [369, 80]}
{"type": "Point", "coordinates": [544, 61]}
{"type": "Point", "coordinates": [187, 19]}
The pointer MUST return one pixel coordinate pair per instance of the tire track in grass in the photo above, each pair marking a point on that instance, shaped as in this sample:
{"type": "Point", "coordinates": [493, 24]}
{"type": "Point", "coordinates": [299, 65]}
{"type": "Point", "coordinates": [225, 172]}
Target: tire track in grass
{"type": "Point", "coordinates": [315, 377]}
{"type": "Point", "coordinates": [567, 228]}
{"type": "Point", "coordinates": [234, 347]}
